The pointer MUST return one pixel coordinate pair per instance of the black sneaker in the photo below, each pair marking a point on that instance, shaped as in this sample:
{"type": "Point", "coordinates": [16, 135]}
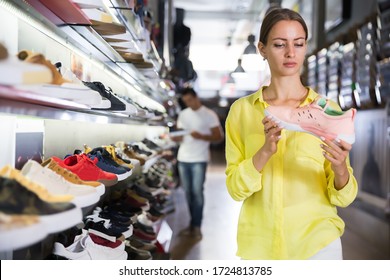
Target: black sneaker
{"type": "Point", "coordinates": [108, 231]}
{"type": "Point", "coordinates": [108, 157]}
{"type": "Point", "coordinates": [116, 218]}
{"type": "Point", "coordinates": [145, 228]}
{"type": "Point", "coordinates": [151, 145]}
{"type": "Point", "coordinates": [124, 208]}
{"type": "Point", "coordinates": [116, 104]}
{"type": "Point", "coordinates": [17, 199]}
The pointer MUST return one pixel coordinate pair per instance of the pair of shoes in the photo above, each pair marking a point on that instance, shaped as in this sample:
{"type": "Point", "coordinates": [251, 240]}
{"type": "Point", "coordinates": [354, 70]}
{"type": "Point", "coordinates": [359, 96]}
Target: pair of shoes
{"type": "Point", "coordinates": [38, 58]}
{"type": "Point", "coordinates": [18, 198]}
{"type": "Point", "coordinates": [86, 169]}
{"type": "Point", "coordinates": [106, 229]}
{"type": "Point", "coordinates": [317, 118]}
{"type": "Point", "coordinates": [15, 72]}
{"type": "Point", "coordinates": [112, 151]}
{"type": "Point", "coordinates": [12, 173]}
{"type": "Point", "coordinates": [58, 86]}
{"type": "Point", "coordinates": [131, 198]}
{"type": "Point", "coordinates": [84, 248]}
{"type": "Point", "coordinates": [116, 104]}
{"type": "Point", "coordinates": [72, 177]}
{"type": "Point", "coordinates": [105, 162]}
{"type": "Point", "coordinates": [83, 195]}
{"type": "Point", "coordinates": [115, 217]}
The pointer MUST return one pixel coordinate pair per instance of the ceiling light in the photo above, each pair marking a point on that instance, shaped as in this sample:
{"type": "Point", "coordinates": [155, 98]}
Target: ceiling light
{"type": "Point", "coordinates": [239, 69]}
{"type": "Point", "coordinates": [230, 80]}
{"type": "Point", "coordinates": [251, 48]}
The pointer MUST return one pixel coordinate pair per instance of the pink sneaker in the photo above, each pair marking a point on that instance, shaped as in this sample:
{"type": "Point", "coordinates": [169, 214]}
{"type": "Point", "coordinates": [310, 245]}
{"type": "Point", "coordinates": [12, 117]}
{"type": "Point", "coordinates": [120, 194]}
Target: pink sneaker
{"type": "Point", "coordinates": [318, 119]}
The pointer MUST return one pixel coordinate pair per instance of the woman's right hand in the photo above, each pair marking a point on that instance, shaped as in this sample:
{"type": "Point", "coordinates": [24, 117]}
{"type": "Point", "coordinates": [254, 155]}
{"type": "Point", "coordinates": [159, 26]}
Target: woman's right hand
{"type": "Point", "coordinates": [272, 132]}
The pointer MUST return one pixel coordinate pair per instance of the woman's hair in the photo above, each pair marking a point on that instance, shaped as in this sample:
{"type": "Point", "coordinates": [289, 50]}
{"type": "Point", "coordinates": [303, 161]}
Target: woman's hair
{"type": "Point", "coordinates": [276, 15]}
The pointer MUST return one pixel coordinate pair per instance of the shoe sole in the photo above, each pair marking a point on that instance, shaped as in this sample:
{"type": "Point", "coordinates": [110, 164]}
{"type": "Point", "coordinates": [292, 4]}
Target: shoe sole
{"type": "Point", "coordinates": [62, 221]}
{"type": "Point", "coordinates": [17, 238]}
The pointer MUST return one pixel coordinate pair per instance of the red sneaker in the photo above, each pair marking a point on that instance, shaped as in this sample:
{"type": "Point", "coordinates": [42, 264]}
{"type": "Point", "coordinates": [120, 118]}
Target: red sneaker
{"type": "Point", "coordinates": [86, 169]}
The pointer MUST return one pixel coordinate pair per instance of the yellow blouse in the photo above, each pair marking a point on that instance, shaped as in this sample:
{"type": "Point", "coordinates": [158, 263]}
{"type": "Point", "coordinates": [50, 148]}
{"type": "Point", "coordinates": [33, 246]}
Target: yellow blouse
{"type": "Point", "coordinates": [289, 208]}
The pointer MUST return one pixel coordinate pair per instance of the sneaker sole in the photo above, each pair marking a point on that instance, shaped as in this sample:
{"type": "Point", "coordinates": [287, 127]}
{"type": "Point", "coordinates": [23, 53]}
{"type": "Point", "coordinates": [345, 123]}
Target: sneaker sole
{"type": "Point", "coordinates": [18, 238]}
{"type": "Point", "coordinates": [62, 221]}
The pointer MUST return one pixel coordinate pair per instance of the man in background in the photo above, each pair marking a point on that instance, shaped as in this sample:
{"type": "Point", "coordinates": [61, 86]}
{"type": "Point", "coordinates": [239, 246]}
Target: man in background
{"type": "Point", "coordinates": [200, 126]}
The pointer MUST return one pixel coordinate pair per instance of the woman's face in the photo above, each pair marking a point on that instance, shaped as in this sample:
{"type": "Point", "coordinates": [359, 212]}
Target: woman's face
{"type": "Point", "coordinates": [285, 49]}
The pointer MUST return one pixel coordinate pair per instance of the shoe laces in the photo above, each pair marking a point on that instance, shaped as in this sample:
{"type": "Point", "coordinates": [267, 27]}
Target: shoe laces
{"type": "Point", "coordinates": [88, 159]}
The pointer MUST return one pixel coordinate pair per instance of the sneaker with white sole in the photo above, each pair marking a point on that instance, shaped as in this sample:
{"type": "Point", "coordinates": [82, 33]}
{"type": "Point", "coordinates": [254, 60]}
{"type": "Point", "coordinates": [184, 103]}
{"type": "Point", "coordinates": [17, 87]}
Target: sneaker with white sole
{"type": "Point", "coordinates": [17, 199]}
{"type": "Point", "coordinates": [71, 177]}
{"type": "Point", "coordinates": [18, 231]}
{"type": "Point", "coordinates": [84, 248]}
{"type": "Point", "coordinates": [317, 118]}
{"type": "Point", "coordinates": [56, 184]}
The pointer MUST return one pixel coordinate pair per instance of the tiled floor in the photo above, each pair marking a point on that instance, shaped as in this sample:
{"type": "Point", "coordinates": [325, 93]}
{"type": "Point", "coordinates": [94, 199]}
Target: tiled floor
{"type": "Point", "coordinates": [220, 225]}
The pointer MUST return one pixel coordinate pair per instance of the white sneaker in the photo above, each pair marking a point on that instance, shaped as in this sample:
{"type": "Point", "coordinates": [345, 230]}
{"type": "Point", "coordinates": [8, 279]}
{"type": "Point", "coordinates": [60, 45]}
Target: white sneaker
{"type": "Point", "coordinates": [84, 248]}
{"type": "Point", "coordinates": [56, 184]}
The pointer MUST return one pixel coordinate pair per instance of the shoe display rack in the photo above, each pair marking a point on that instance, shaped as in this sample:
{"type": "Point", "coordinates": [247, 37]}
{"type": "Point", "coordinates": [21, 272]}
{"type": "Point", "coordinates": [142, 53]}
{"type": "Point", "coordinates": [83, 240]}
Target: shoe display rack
{"type": "Point", "coordinates": [312, 71]}
{"type": "Point", "coordinates": [322, 66]}
{"type": "Point", "coordinates": [333, 71]}
{"type": "Point", "coordinates": [42, 127]}
{"type": "Point", "coordinates": [353, 70]}
{"type": "Point", "coordinates": [366, 71]}
{"type": "Point", "coordinates": [383, 66]}
{"type": "Point", "coordinates": [347, 76]}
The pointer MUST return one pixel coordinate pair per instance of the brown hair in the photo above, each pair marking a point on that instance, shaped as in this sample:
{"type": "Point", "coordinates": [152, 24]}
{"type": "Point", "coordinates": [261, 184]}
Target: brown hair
{"type": "Point", "coordinates": [276, 15]}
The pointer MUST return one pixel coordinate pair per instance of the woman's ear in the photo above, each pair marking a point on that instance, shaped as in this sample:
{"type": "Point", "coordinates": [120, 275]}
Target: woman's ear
{"type": "Point", "coordinates": [262, 51]}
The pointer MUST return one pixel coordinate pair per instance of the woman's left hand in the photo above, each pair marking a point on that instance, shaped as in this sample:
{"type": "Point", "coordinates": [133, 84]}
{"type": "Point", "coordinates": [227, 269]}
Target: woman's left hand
{"type": "Point", "coordinates": [336, 152]}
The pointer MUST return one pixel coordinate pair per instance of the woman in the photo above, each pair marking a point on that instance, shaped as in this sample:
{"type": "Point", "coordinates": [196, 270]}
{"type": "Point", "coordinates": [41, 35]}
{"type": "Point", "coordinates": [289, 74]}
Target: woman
{"type": "Point", "coordinates": [290, 182]}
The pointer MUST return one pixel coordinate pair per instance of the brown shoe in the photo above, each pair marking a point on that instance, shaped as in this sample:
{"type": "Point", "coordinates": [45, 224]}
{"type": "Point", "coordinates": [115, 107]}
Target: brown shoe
{"type": "Point", "coordinates": [38, 58]}
{"type": "Point", "coordinates": [131, 154]}
{"type": "Point", "coordinates": [3, 52]}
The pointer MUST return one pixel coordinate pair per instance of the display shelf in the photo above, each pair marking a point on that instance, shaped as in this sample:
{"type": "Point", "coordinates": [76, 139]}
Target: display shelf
{"type": "Point", "coordinates": [28, 104]}
{"type": "Point", "coordinates": [87, 41]}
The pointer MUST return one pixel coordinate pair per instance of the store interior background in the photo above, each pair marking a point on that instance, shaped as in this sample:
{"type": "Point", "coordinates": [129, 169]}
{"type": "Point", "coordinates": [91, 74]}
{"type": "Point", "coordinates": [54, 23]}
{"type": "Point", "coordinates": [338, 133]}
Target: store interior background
{"type": "Point", "coordinates": [219, 37]}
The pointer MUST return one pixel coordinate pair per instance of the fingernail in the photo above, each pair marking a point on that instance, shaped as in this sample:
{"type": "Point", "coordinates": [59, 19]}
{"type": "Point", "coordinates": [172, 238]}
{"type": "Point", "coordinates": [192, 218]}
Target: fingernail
{"type": "Point", "coordinates": [322, 138]}
{"type": "Point", "coordinates": [338, 140]}
{"type": "Point", "coordinates": [321, 145]}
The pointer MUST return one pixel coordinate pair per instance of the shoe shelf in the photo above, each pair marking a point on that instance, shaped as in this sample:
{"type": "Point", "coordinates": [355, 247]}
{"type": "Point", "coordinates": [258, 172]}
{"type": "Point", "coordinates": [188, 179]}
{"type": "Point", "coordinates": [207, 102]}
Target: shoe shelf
{"type": "Point", "coordinates": [85, 39]}
{"type": "Point", "coordinates": [28, 104]}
